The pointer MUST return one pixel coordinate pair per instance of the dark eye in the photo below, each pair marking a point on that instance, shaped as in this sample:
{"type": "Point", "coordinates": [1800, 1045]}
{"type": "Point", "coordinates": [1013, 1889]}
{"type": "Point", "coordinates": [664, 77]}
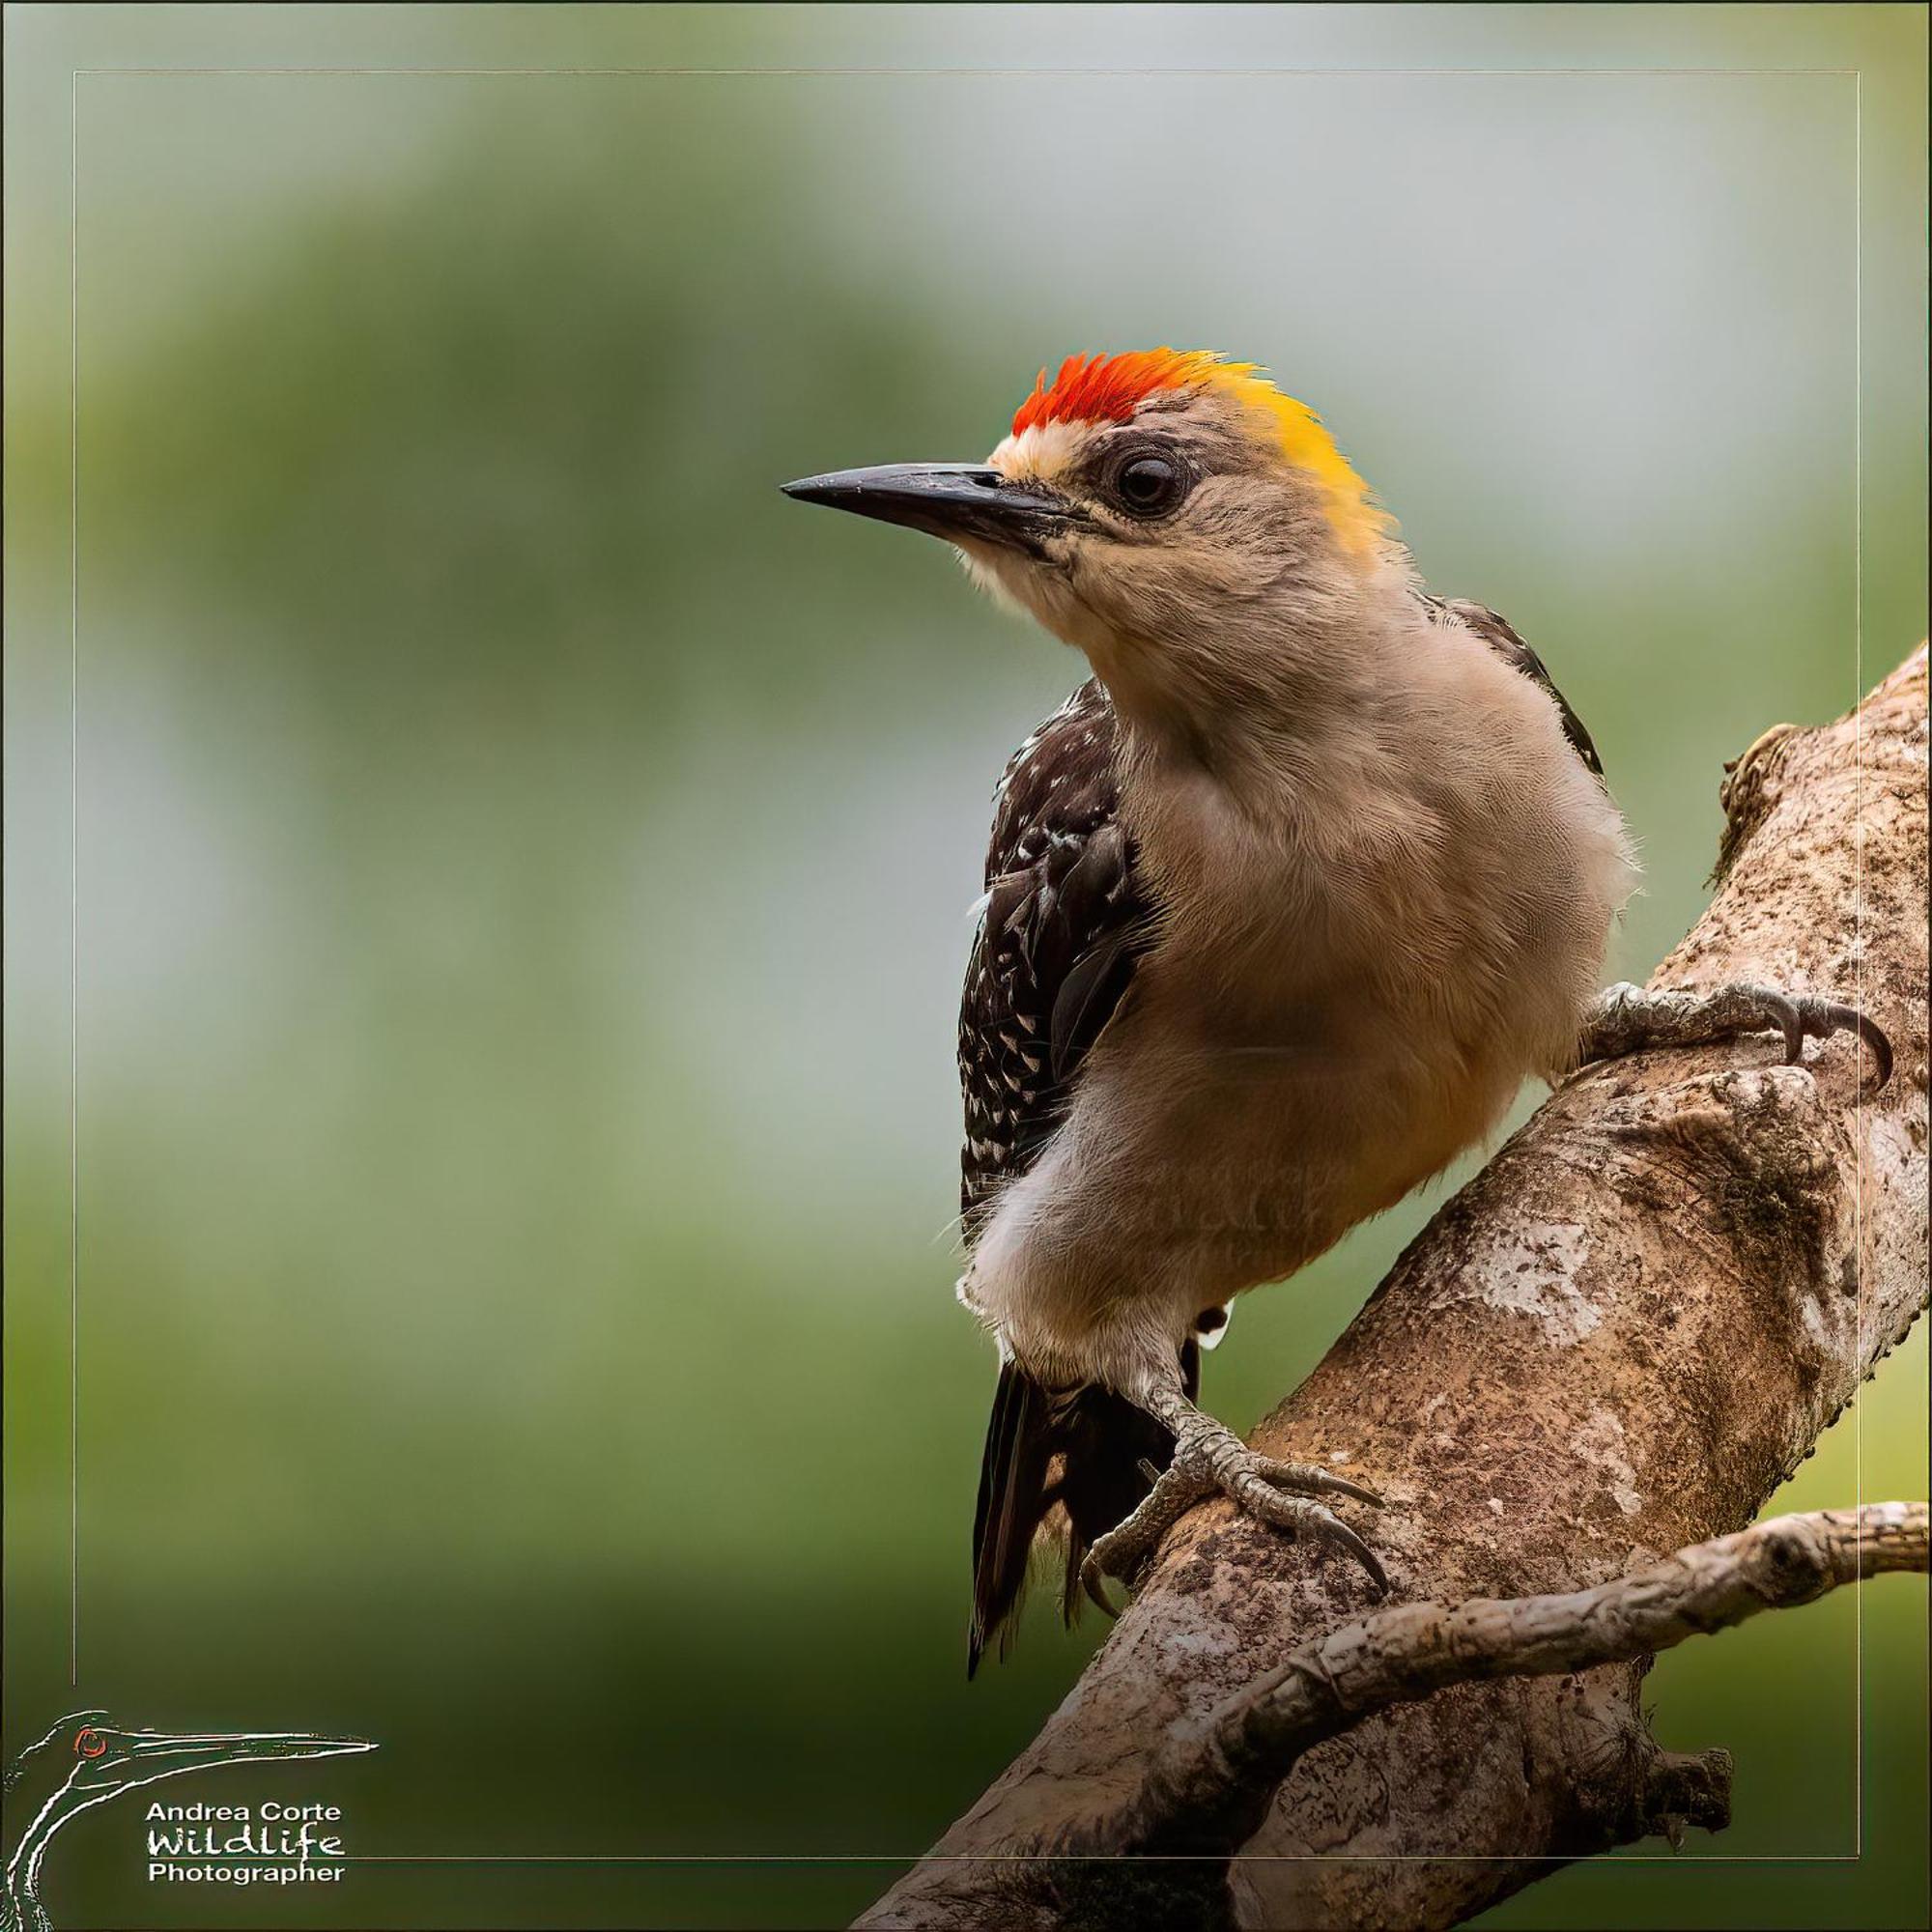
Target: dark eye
{"type": "Point", "coordinates": [1149, 485]}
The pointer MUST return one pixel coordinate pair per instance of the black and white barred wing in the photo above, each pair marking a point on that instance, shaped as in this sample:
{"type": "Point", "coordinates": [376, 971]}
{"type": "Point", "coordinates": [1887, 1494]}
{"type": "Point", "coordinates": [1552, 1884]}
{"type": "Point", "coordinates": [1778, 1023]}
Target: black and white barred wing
{"type": "Point", "coordinates": [1052, 961]}
{"type": "Point", "coordinates": [1054, 952]}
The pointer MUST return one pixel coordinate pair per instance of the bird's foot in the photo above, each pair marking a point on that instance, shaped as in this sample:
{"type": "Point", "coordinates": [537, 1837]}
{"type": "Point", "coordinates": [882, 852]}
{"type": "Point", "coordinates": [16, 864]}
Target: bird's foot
{"type": "Point", "coordinates": [1210, 1459]}
{"type": "Point", "coordinates": [1626, 1020]}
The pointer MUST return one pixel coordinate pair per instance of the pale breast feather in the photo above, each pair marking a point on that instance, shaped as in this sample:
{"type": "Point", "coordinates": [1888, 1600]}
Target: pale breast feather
{"type": "Point", "coordinates": [1054, 952]}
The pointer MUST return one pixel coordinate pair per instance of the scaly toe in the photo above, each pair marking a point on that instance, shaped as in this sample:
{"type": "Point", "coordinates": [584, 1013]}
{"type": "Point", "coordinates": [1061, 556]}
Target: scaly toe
{"type": "Point", "coordinates": [1209, 1457]}
{"type": "Point", "coordinates": [1129, 1544]}
{"type": "Point", "coordinates": [1781, 1011]}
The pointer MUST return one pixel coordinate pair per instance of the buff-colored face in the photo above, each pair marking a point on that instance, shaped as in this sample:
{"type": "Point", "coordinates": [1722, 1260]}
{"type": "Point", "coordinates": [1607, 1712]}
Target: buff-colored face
{"type": "Point", "coordinates": [1145, 508]}
{"type": "Point", "coordinates": [1186, 508]}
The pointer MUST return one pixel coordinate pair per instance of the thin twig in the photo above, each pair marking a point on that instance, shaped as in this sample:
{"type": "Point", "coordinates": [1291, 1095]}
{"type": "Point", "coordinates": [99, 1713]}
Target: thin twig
{"type": "Point", "coordinates": [1210, 1788]}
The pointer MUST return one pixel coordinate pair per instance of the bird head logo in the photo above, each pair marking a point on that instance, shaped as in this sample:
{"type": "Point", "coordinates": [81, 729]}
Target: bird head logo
{"type": "Point", "coordinates": [86, 1760]}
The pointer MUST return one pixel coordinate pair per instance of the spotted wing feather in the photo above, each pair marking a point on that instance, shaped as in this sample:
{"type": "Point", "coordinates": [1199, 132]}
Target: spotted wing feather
{"type": "Point", "coordinates": [1053, 956]}
{"type": "Point", "coordinates": [1053, 959]}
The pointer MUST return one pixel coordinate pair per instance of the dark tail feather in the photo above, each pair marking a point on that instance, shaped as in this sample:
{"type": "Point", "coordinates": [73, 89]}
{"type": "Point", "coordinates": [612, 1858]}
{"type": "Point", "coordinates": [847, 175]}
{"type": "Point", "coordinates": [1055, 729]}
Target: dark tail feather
{"type": "Point", "coordinates": [1106, 1439]}
{"type": "Point", "coordinates": [1101, 1439]}
{"type": "Point", "coordinates": [1013, 1499]}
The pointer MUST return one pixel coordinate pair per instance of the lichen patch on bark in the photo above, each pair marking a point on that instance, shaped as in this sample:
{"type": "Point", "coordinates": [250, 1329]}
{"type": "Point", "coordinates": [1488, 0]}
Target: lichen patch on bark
{"type": "Point", "coordinates": [1531, 1272]}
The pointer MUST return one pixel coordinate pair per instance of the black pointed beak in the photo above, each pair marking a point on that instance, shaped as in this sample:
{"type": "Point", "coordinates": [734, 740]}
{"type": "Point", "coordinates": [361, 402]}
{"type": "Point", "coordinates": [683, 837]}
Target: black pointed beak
{"type": "Point", "coordinates": [959, 501]}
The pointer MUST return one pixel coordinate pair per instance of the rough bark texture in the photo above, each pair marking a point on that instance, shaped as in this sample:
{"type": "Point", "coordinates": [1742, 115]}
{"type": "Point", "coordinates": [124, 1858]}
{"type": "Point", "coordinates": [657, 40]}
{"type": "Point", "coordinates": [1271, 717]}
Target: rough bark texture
{"type": "Point", "coordinates": [1616, 1341]}
{"type": "Point", "coordinates": [1211, 1784]}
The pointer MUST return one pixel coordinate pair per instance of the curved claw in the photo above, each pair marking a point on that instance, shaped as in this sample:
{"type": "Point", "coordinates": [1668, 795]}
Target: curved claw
{"type": "Point", "coordinates": [1341, 1533]}
{"type": "Point", "coordinates": [1093, 1583]}
{"type": "Point", "coordinates": [1848, 1019]}
{"type": "Point", "coordinates": [1306, 1476]}
{"type": "Point", "coordinates": [1295, 1513]}
{"type": "Point", "coordinates": [1809, 1017]}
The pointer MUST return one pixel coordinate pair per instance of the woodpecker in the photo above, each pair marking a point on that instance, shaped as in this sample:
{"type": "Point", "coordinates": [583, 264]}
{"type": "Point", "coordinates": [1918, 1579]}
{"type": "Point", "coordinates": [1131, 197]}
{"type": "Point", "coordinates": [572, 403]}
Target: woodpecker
{"type": "Point", "coordinates": [1282, 907]}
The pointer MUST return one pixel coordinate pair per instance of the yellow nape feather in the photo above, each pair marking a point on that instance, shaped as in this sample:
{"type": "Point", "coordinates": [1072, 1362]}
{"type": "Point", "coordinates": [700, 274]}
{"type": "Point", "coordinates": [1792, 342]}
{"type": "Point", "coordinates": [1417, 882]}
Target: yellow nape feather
{"type": "Point", "coordinates": [1357, 519]}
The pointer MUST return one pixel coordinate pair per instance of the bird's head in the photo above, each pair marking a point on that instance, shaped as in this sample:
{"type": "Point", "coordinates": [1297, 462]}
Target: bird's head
{"type": "Point", "coordinates": [105, 1756]}
{"type": "Point", "coordinates": [85, 1757]}
{"type": "Point", "coordinates": [1169, 512]}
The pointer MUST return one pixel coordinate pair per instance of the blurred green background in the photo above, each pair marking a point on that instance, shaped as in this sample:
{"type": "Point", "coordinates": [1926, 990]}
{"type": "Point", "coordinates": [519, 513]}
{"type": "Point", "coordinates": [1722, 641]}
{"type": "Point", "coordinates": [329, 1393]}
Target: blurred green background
{"type": "Point", "coordinates": [523, 861]}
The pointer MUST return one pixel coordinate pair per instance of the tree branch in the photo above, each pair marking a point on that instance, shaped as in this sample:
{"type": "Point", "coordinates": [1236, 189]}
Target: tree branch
{"type": "Point", "coordinates": [1209, 1789]}
{"type": "Point", "coordinates": [1614, 1342]}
